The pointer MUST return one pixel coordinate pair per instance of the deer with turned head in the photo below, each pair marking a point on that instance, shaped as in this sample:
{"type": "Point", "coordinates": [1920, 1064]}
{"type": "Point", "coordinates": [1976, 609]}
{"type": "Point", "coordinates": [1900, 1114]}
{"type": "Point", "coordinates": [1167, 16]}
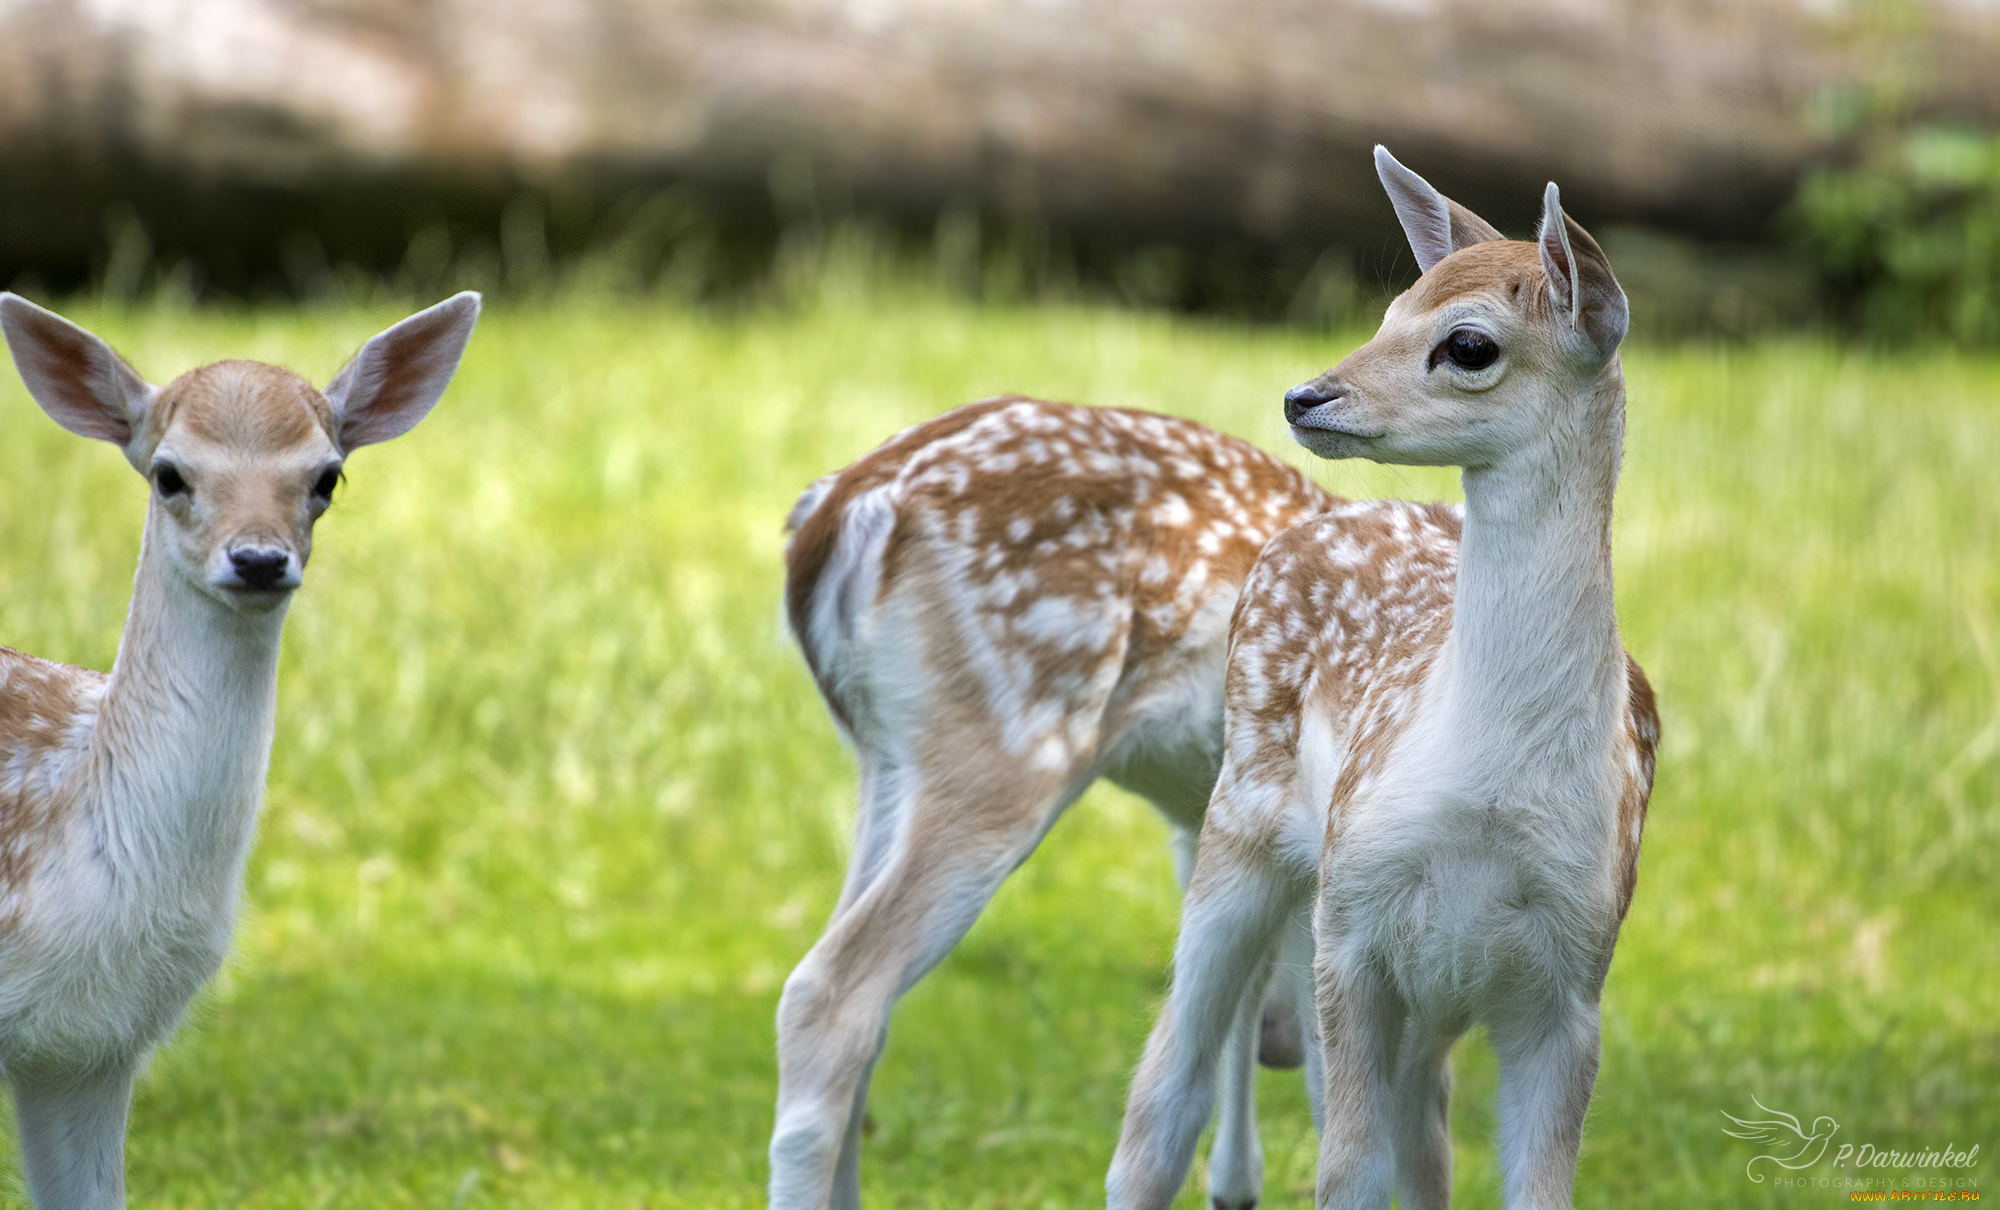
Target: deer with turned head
{"type": "Point", "coordinates": [1434, 736]}
{"type": "Point", "coordinates": [128, 801]}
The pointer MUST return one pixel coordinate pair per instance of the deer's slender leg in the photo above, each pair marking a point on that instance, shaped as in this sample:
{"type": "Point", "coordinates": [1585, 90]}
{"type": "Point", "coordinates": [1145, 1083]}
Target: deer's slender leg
{"type": "Point", "coordinates": [73, 1136]}
{"type": "Point", "coordinates": [1292, 980]}
{"type": "Point", "coordinates": [847, 1172]}
{"type": "Point", "coordinates": [1361, 1022]}
{"type": "Point", "coordinates": [877, 821]}
{"type": "Point", "coordinates": [1286, 1032]}
{"type": "Point", "coordinates": [1235, 1158]}
{"type": "Point", "coordinates": [1548, 1065]}
{"type": "Point", "coordinates": [937, 876]}
{"type": "Point", "coordinates": [885, 803]}
{"type": "Point", "coordinates": [1235, 905]}
{"type": "Point", "coordinates": [1423, 1120]}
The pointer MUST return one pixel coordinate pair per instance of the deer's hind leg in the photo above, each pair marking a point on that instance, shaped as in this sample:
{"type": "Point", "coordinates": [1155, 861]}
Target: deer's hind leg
{"type": "Point", "coordinates": [1288, 1029]}
{"type": "Point", "coordinates": [1235, 906]}
{"type": "Point", "coordinates": [955, 838]}
{"type": "Point", "coordinates": [1236, 1156]}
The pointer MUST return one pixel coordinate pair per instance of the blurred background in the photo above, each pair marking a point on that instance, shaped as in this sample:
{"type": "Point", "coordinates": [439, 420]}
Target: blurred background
{"type": "Point", "coordinates": [1750, 164]}
{"type": "Point", "coordinates": [553, 806]}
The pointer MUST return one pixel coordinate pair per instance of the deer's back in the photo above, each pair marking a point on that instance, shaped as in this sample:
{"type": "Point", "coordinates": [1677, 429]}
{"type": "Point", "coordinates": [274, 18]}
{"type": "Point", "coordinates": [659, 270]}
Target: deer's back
{"type": "Point", "coordinates": [1059, 559]}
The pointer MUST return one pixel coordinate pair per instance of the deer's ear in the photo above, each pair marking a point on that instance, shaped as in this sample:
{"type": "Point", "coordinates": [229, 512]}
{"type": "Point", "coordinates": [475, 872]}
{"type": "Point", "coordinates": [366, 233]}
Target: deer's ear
{"type": "Point", "coordinates": [78, 380]}
{"type": "Point", "coordinates": [398, 376]}
{"type": "Point", "coordinates": [1586, 294]}
{"type": "Point", "coordinates": [1436, 225]}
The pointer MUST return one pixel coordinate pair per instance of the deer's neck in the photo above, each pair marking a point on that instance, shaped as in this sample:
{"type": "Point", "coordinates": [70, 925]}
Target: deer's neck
{"type": "Point", "coordinates": [1533, 668]}
{"type": "Point", "coordinates": [183, 737]}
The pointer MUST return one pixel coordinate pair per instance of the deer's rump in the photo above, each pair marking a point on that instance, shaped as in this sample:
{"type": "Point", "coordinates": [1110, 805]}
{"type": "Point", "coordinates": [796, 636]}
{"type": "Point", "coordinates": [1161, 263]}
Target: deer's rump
{"type": "Point", "coordinates": [1031, 563]}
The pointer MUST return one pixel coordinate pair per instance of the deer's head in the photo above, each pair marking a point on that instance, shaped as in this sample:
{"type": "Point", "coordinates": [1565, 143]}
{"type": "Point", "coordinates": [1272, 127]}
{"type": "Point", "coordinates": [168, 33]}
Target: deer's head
{"type": "Point", "coordinates": [243, 457]}
{"type": "Point", "coordinates": [1461, 372]}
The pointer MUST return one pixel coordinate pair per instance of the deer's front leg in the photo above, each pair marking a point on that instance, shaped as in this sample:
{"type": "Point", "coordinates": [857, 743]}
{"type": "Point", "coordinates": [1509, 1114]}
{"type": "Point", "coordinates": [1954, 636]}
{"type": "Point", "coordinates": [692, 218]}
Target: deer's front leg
{"type": "Point", "coordinates": [1548, 1065]}
{"type": "Point", "coordinates": [1361, 1021]}
{"type": "Point", "coordinates": [1423, 1119]}
{"type": "Point", "coordinates": [73, 1135]}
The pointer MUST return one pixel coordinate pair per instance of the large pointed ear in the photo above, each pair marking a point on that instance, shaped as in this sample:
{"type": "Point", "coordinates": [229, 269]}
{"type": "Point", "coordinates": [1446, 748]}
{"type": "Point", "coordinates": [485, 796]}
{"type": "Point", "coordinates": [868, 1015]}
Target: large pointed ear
{"type": "Point", "coordinates": [1436, 225]}
{"type": "Point", "coordinates": [78, 380]}
{"type": "Point", "coordinates": [397, 377]}
{"type": "Point", "coordinates": [1586, 294]}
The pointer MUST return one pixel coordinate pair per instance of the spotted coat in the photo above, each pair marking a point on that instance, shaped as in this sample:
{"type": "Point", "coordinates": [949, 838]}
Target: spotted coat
{"type": "Point", "coordinates": [1064, 557]}
{"type": "Point", "coordinates": [47, 714]}
{"type": "Point", "coordinates": [1342, 618]}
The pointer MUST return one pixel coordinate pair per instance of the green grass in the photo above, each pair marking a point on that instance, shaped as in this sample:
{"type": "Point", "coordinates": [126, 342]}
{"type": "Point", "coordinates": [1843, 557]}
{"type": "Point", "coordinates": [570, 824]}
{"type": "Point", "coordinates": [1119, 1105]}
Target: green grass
{"type": "Point", "coordinates": [553, 807]}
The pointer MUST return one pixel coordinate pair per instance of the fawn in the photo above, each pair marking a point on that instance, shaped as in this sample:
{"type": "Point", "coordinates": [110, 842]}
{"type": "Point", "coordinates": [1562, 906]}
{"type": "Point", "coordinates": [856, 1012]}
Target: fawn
{"type": "Point", "coordinates": [1433, 730]}
{"type": "Point", "coordinates": [1000, 606]}
{"type": "Point", "coordinates": [128, 801]}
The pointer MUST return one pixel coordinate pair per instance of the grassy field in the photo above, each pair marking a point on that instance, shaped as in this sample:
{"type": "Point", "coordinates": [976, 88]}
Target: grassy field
{"type": "Point", "coordinates": [553, 807]}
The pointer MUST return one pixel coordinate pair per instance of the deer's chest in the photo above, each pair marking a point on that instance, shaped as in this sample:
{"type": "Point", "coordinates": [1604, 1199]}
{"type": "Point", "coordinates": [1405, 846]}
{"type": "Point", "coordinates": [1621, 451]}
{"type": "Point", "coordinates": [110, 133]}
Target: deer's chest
{"type": "Point", "coordinates": [1472, 893]}
{"type": "Point", "coordinates": [107, 953]}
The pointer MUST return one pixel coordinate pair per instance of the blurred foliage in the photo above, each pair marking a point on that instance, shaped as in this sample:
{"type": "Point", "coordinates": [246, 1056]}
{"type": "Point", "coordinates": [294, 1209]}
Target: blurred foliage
{"type": "Point", "coordinates": [669, 247]}
{"type": "Point", "coordinates": [1681, 288]}
{"type": "Point", "coordinates": [1907, 239]}
{"type": "Point", "coordinates": [681, 244]}
{"type": "Point", "coordinates": [677, 244]}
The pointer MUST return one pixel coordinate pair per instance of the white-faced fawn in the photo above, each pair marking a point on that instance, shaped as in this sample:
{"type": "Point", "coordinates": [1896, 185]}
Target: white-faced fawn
{"type": "Point", "coordinates": [128, 801]}
{"type": "Point", "coordinates": [1433, 735]}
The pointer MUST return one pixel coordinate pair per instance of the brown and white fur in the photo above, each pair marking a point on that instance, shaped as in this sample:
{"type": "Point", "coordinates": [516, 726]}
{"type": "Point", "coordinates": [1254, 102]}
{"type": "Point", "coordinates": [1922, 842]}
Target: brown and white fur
{"type": "Point", "coordinates": [128, 802]}
{"type": "Point", "coordinates": [1434, 731]}
{"type": "Point", "coordinates": [1002, 605]}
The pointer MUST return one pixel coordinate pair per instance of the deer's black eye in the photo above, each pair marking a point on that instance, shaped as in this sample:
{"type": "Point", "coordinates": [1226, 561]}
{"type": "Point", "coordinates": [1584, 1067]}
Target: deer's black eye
{"type": "Point", "coordinates": [168, 480]}
{"type": "Point", "coordinates": [1468, 349]}
{"type": "Point", "coordinates": [328, 480]}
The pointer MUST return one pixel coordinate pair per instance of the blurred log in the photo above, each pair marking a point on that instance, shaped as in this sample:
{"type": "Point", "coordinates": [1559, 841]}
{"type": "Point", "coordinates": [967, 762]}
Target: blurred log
{"type": "Point", "coordinates": [228, 126]}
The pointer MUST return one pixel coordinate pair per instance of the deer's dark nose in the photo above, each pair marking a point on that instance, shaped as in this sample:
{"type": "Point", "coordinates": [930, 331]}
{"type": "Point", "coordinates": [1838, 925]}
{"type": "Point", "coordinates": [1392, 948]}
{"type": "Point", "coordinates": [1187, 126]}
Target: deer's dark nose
{"type": "Point", "coordinates": [1305, 397]}
{"type": "Point", "coordinates": [260, 566]}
